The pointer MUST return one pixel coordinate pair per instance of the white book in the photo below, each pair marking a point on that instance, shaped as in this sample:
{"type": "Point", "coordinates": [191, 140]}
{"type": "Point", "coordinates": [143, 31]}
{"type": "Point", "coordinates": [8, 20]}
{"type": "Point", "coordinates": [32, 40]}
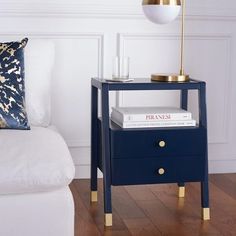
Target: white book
{"type": "Point", "coordinates": [156, 124]}
{"type": "Point", "coordinates": [134, 114]}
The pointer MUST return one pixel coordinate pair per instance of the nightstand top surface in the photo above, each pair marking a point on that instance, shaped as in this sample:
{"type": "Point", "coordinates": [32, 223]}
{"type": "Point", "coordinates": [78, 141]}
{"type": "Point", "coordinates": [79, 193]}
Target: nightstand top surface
{"type": "Point", "coordinates": [146, 84]}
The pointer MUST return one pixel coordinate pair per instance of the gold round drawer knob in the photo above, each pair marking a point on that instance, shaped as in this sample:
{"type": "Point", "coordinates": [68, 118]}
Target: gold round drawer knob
{"type": "Point", "coordinates": [161, 171]}
{"type": "Point", "coordinates": [162, 144]}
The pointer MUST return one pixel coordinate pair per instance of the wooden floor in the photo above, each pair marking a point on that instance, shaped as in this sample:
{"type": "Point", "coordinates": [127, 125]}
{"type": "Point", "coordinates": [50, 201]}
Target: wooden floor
{"type": "Point", "coordinates": [156, 210]}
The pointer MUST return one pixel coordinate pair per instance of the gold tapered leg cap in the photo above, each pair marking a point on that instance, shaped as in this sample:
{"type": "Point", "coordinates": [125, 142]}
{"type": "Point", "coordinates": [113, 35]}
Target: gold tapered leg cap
{"type": "Point", "coordinates": [181, 192]}
{"type": "Point", "coordinates": [108, 220]}
{"type": "Point", "coordinates": [206, 213]}
{"type": "Point", "coordinates": [94, 196]}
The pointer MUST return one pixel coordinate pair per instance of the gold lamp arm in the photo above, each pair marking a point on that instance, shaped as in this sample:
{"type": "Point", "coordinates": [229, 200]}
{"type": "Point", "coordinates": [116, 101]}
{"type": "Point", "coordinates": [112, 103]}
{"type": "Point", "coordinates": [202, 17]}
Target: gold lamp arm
{"type": "Point", "coordinates": [182, 39]}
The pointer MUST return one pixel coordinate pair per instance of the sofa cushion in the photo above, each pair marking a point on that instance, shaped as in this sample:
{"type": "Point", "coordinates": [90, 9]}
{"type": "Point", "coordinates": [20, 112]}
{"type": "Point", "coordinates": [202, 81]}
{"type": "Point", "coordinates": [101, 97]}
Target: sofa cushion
{"type": "Point", "coordinates": [39, 60]}
{"type": "Point", "coordinates": [12, 86]}
{"type": "Point", "coordinates": [33, 161]}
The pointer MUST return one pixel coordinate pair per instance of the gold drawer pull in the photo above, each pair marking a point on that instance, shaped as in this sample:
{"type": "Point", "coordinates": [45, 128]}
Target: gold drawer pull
{"type": "Point", "coordinates": [162, 144]}
{"type": "Point", "coordinates": [161, 171]}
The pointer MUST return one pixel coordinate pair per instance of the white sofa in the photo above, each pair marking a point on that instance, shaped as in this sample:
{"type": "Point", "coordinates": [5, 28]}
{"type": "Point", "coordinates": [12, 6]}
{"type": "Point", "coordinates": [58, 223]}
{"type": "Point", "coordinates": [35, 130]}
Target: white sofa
{"type": "Point", "coordinates": [35, 165]}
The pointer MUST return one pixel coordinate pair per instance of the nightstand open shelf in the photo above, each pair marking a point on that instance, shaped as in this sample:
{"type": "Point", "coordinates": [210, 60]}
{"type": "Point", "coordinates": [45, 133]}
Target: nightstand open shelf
{"type": "Point", "coordinates": [148, 155]}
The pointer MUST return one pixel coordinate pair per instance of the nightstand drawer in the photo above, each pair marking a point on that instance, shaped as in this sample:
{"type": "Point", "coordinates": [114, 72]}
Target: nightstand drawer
{"type": "Point", "coordinates": [167, 170]}
{"type": "Point", "coordinates": [154, 143]}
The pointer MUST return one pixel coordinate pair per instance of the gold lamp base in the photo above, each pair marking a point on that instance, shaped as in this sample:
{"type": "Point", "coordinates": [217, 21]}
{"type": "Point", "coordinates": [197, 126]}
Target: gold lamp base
{"type": "Point", "coordinates": [170, 78]}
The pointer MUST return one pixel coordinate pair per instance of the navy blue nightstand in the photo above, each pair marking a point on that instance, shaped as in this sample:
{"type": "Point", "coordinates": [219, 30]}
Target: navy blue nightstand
{"type": "Point", "coordinates": [148, 155]}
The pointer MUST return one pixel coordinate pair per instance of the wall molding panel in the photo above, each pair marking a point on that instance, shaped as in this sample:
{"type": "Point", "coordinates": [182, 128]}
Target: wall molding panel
{"type": "Point", "coordinates": [126, 39]}
{"type": "Point", "coordinates": [98, 37]}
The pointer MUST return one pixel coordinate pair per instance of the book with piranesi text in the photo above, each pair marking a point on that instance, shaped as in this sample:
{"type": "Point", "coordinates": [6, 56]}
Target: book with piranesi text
{"type": "Point", "coordinates": [156, 124]}
{"type": "Point", "coordinates": [149, 114]}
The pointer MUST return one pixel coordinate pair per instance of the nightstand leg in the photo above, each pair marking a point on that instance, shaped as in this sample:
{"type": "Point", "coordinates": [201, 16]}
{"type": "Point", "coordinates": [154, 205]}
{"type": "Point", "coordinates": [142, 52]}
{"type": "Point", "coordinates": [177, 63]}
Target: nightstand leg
{"type": "Point", "coordinates": [204, 184]}
{"type": "Point", "coordinates": [183, 105]}
{"type": "Point", "coordinates": [181, 192]}
{"type": "Point", "coordinates": [107, 204]}
{"type": "Point", "coordinates": [106, 157]}
{"type": "Point", "coordinates": [205, 200]}
{"type": "Point", "coordinates": [94, 144]}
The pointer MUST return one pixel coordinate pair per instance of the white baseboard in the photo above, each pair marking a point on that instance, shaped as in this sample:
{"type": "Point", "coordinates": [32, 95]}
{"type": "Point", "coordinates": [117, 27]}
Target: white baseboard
{"type": "Point", "coordinates": [222, 166]}
{"type": "Point", "coordinates": [83, 172]}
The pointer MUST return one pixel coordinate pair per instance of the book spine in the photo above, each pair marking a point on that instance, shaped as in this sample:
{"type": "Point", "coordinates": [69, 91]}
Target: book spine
{"type": "Point", "coordinates": [151, 117]}
{"type": "Point", "coordinates": [157, 124]}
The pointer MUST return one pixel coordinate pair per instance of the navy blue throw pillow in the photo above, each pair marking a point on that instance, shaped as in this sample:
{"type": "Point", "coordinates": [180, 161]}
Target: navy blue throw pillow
{"type": "Point", "coordinates": [12, 86]}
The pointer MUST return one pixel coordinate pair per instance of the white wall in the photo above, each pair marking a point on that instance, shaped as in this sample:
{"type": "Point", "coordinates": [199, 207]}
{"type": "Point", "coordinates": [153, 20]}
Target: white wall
{"type": "Point", "coordinates": [88, 33]}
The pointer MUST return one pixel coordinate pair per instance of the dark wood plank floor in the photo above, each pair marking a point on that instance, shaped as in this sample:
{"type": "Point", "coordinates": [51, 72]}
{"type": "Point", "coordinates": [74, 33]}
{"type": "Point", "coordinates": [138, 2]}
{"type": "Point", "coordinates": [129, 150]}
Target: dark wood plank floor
{"type": "Point", "coordinates": [156, 210]}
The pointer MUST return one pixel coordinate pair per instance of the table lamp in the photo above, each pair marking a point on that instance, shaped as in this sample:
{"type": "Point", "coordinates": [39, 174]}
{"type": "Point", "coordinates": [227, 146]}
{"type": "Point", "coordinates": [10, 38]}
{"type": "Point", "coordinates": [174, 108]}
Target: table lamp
{"type": "Point", "coordinates": [163, 12]}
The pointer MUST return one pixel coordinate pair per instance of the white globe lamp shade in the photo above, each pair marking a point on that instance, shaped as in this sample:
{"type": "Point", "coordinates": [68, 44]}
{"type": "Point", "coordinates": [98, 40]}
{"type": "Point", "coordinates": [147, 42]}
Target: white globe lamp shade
{"type": "Point", "coordinates": [161, 11]}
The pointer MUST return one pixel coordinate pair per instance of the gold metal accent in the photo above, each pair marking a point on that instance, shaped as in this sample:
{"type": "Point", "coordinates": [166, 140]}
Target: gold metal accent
{"type": "Point", "coordinates": [108, 219]}
{"type": "Point", "coordinates": [2, 79]}
{"type": "Point", "coordinates": [170, 78]}
{"type": "Point", "coordinates": [94, 196]}
{"type": "Point", "coordinates": [162, 144]}
{"type": "Point", "coordinates": [181, 192]}
{"type": "Point", "coordinates": [162, 2]}
{"type": "Point", "coordinates": [161, 171]}
{"type": "Point", "coordinates": [206, 213]}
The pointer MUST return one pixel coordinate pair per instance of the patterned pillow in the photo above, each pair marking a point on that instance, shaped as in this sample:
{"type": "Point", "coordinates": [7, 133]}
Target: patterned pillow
{"type": "Point", "coordinates": [12, 87]}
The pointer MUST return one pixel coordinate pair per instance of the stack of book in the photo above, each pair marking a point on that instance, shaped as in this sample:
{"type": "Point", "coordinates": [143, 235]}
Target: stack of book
{"type": "Point", "coordinates": [141, 117]}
